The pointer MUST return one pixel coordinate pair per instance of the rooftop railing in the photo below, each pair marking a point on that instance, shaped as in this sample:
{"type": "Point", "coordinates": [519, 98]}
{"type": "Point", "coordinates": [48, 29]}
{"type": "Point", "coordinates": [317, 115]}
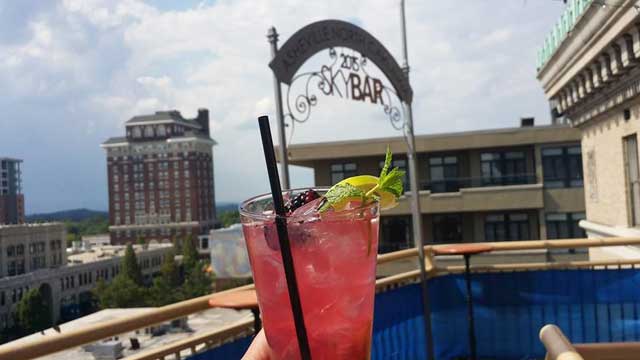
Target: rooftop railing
{"type": "Point", "coordinates": [455, 184]}
{"type": "Point", "coordinates": [574, 9]}
{"type": "Point", "coordinates": [519, 297]}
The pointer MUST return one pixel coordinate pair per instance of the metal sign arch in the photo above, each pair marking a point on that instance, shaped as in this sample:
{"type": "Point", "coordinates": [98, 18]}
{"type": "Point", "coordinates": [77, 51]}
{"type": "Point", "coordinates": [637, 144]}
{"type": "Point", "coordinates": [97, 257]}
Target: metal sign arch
{"type": "Point", "coordinates": [333, 34]}
{"type": "Point", "coordinates": [327, 34]}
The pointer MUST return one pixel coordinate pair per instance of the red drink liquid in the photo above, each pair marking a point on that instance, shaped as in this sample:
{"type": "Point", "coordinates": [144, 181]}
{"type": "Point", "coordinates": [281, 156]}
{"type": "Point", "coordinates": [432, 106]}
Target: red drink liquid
{"type": "Point", "coordinates": [335, 258]}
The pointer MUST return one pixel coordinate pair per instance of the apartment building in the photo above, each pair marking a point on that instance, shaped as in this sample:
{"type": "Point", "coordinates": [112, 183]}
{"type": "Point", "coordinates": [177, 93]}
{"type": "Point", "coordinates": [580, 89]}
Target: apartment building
{"type": "Point", "coordinates": [11, 197]}
{"type": "Point", "coordinates": [160, 178]}
{"type": "Point", "coordinates": [492, 185]}
{"type": "Point", "coordinates": [588, 70]}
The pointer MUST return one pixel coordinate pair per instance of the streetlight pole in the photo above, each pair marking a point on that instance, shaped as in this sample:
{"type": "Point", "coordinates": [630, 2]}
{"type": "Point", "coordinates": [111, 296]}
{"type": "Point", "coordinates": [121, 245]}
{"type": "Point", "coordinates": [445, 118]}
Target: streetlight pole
{"type": "Point", "coordinates": [272, 35]}
{"type": "Point", "coordinates": [416, 215]}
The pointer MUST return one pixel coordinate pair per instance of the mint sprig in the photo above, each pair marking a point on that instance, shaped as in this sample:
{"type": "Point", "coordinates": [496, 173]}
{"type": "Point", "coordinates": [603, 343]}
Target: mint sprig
{"type": "Point", "coordinates": [388, 181]}
{"type": "Point", "coordinates": [339, 193]}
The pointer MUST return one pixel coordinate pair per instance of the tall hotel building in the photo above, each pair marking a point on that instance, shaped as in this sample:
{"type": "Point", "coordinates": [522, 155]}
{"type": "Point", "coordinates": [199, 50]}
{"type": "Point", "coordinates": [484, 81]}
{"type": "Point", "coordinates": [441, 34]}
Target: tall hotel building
{"type": "Point", "coordinates": [11, 197]}
{"type": "Point", "coordinates": [160, 178]}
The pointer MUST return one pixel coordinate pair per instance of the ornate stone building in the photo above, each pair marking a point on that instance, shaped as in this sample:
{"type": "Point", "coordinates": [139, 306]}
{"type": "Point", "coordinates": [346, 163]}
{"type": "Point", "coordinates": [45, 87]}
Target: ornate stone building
{"type": "Point", "coordinates": [588, 68]}
{"type": "Point", "coordinates": [34, 256]}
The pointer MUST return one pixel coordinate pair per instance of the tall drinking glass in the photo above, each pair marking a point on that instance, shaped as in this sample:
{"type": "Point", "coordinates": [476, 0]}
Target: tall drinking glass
{"type": "Point", "coordinates": [334, 255]}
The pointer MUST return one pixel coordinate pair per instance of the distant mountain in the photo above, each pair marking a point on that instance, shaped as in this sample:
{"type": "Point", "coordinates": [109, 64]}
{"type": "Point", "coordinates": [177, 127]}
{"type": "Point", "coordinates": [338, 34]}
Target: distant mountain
{"type": "Point", "coordinates": [83, 214]}
{"type": "Point", "coordinates": [71, 215]}
{"type": "Point", "coordinates": [226, 206]}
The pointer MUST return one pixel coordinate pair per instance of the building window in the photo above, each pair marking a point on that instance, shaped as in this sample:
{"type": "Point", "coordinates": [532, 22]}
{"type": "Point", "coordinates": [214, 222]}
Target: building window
{"type": "Point", "coordinates": [401, 164]}
{"type": "Point", "coordinates": [564, 225]}
{"type": "Point", "coordinates": [137, 132]}
{"type": "Point", "coordinates": [447, 228]}
{"type": "Point", "coordinates": [342, 171]}
{"type": "Point", "coordinates": [443, 172]}
{"type": "Point", "coordinates": [562, 166]}
{"type": "Point", "coordinates": [503, 227]}
{"type": "Point", "coordinates": [395, 233]}
{"type": "Point", "coordinates": [504, 168]}
{"type": "Point", "coordinates": [632, 171]}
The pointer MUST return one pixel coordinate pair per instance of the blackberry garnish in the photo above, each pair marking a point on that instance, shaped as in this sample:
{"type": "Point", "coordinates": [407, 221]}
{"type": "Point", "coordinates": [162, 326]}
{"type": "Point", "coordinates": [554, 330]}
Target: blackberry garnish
{"type": "Point", "coordinates": [299, 200]}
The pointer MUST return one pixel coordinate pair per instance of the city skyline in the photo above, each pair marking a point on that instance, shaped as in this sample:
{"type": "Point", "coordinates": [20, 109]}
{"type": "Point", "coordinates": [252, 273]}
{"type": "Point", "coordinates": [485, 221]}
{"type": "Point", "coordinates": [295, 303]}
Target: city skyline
{"type": "Point", "coordinates": [77, 71]}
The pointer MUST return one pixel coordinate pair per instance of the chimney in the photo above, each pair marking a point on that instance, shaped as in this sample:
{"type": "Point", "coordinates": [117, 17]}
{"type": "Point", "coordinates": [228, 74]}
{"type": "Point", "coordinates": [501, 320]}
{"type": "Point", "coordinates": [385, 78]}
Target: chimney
{"type": "Point", "coordinates": [527, 122]}
{"type": "Point", "coordinates": [203, 120]}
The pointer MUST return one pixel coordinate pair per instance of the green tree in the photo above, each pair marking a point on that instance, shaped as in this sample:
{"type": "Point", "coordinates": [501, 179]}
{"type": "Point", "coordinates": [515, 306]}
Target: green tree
{"type": "Point", "coordinates": [161, 294]}
{"type": "Point", "coordinates": [166, 287]}
{"type": "Point", "coordinates": [141, 241]}
{"type": "Point", "coordinates": [32, 312]}
{"type": "Point", "coordinates": [129, 266]}
{"type": "Point", "coordinates": [197, 282]}
{"type": "Point", "coordinates": [229, 218]}
{"type": "Point", "coordinates": [177, 246]}
{"type": "Point", "coordinates": [169, 270]}
{"type": "Point", "coordinates": [122, 292]}
{"type": "Point", "coordinates": [71, 237]}
{"type": "Point", "coordinates": [189, 256]}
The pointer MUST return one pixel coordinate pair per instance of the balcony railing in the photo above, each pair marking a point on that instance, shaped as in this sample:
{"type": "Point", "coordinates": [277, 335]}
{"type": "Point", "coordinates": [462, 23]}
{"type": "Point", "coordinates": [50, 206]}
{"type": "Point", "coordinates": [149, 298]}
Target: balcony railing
{"type": "Point", "coordinates": [568, 19]}
{"type": "Point", "coordinates": [455, 184]}
{"type": "Point", "coordinates": [595, 301]}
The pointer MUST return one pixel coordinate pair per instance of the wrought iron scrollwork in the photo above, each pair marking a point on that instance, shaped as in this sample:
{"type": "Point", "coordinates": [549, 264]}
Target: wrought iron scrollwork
{"type": "Point", "coordinates": [335, 79]}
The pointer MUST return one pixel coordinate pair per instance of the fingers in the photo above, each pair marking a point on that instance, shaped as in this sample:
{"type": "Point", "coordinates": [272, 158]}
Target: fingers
{"type": "Point", "coordinates": [259, 348]}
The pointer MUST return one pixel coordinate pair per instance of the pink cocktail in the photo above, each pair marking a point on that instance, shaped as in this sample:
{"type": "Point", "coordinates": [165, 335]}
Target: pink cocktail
{"type": "Point", "coordinates": [335, 258]}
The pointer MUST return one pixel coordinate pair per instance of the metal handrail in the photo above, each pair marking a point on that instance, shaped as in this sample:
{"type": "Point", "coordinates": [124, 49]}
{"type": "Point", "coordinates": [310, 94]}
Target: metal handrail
{"type": "Point", "coordinates": [89, 334]}
{"type": "Point", "coordinates": [560, 348]}
{"type": "Point", "coordinates": [458, 183]}
{"type": "Point", "coordinates": [77, 337]}
{"type": "Point", "coordinates": [557, 345]}
{"type": "Point", "coordinates": [195, 343]}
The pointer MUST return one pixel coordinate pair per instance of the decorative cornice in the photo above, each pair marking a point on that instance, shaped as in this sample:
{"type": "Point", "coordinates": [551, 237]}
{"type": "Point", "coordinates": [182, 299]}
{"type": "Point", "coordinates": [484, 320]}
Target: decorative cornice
{"type": "Point", "coordinates": [618, 92]}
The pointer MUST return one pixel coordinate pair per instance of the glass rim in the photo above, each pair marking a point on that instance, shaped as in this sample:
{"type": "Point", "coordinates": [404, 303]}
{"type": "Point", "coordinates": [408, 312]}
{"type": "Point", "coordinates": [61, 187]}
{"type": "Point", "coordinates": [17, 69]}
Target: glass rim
{"type": "Point", "coordinates": [242, 208]}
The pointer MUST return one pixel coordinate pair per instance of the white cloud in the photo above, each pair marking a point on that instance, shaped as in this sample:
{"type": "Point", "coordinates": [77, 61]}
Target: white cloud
{"type": "Point", "coordinates": [498, 36]}
{"type": "Point", "coordinates": [116, 59]}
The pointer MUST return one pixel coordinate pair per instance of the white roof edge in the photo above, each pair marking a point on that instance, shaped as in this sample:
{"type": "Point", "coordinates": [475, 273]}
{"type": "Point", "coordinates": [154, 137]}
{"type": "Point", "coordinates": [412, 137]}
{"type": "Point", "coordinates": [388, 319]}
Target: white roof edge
{"type": "Point", "coordinates": [192, 138]}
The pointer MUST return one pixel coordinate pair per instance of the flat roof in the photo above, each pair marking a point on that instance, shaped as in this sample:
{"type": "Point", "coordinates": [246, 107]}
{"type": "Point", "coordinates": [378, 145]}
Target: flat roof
{"type": "Point", "coordinates": [305, 154]}
{"type": "Point", "coordinates": [99, 253]}
{"type": "Point", "coordinates": [31, 225]}
{"type": "Point", "coordinates": [208, 320]}
{"type": "Point", "coordinates": [122, 140]}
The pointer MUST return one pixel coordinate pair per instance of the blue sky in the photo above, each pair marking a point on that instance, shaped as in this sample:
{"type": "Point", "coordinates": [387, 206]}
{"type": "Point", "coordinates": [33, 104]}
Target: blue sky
{"type": "Point", "coordinates": [73, 71]}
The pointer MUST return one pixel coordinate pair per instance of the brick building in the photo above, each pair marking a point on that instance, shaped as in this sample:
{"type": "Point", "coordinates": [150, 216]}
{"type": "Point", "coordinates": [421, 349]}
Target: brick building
{"type": "Point", "coordinates": [160, 178]}
{"type": "Point", "coordinates": [11, 197]}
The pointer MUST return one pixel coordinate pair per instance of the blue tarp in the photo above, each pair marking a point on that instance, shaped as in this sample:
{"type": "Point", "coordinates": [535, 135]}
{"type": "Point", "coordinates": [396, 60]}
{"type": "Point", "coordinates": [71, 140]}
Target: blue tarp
{"type": "Point", "coordinates": [510, 309]}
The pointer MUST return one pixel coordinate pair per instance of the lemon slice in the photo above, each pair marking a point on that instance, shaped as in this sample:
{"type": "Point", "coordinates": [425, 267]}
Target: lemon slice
{"type": "Point", "coordinates": [368, 182]}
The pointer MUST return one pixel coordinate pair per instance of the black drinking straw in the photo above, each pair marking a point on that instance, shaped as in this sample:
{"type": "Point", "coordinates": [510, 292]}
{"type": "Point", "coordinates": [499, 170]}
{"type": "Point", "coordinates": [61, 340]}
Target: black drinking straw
{"type": "Point", "coordinates": [283, 237]}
